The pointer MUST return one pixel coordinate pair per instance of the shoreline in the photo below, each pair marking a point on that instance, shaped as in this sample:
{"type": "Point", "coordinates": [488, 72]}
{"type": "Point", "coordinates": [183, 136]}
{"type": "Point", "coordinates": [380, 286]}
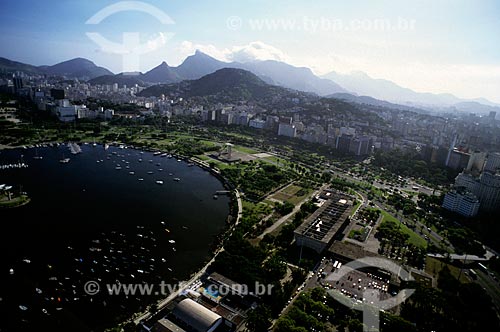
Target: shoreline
{"type": "Point", "coordinates": [232, 219]}
{"type": "Point", "coordinates": [4, 205]}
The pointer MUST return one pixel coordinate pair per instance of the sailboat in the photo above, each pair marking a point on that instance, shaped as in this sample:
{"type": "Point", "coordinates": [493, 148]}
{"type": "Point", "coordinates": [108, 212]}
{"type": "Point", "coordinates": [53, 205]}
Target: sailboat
{"type": "Point", "coordinates": [37, 157]}
{"type": "Point", "coordinates": [64, 160]}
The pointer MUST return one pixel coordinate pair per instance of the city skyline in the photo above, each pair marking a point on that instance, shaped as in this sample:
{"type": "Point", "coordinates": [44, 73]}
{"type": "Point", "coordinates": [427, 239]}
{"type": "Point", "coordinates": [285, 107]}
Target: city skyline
{"type": "Point", "coordinates": [409, 44]}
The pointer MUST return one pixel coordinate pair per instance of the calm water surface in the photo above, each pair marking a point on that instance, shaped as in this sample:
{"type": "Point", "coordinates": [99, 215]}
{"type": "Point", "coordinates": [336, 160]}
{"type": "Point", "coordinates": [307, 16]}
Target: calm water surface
{"type": "Point", "coordinates": [88, 220]}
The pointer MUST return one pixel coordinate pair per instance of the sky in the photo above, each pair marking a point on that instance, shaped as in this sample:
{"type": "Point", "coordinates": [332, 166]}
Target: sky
{"type": "Point", "coordinates": [439, 46]}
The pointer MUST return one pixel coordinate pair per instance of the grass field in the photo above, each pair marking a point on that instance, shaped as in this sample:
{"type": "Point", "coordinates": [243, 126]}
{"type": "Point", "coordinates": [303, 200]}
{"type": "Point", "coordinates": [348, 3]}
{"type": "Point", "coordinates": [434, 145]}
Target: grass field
{"type": "Point", "coordinates": [292, 193]}
{"type": "Point", "coordinates": [14, 202]}
{"type": "Point", "coordinates": [245, 149]}
{"type": "Point", "coordinates": [433, 266]}
{"type": "Point", "coordinates": [354, 208]}
{"type": "Point", "coordinates": [415, 239]}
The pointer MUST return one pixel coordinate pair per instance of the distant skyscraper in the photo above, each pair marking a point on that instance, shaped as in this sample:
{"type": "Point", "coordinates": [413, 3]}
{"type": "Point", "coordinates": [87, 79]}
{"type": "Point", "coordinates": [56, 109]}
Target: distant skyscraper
{"type": "Point", "coordinates": [458, 160]}
{"type": "Point", "coordinates": [18, 83]}
{"type": "Point", "coordinates": [452, 147]}
{"type": "Point", "coordinates": [493, 115]}
{"type": "Point", "coordinates": [344, 142]}
{"type": "Point", "coordinates": [476, 162]}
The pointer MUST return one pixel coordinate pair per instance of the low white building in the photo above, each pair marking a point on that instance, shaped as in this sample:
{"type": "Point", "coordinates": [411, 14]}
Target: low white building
{"type": "Point", "coordinates": [257, 123]}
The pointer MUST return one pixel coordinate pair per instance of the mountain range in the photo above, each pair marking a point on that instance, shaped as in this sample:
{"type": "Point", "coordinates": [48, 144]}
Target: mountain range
{"type": "Point", "coordinates": [361, 84]}
{"type": "Point", "coordinates": [230, 83]}
{"type": "Point", "coordinates": [75, 68]}
{"type": "Point", "coordinates": [201, 64]}
{"type": "Point", "coordinates": [356, 86]}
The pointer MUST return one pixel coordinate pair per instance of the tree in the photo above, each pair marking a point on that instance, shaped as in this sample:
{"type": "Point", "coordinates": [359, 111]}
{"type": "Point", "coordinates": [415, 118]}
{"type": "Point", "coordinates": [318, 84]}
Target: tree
{"type": "Point", "coordinates": [259, 319]}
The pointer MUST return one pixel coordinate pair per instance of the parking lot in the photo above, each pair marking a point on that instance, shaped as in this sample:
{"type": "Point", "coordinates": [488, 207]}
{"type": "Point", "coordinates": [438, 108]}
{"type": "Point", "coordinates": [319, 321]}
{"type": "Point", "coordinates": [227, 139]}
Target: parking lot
{"type": "Point", "coordinates": [356, 284]}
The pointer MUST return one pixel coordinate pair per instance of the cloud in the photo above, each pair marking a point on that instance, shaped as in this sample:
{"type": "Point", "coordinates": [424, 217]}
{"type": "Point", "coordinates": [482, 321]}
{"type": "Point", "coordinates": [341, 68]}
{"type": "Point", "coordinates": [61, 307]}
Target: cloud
{"type": "Point", "coordinates": [188, 48]}
{"type": "Point", "coordinates": [257, 51]}
{"type": "Point", "coordinates": [254, 51]}
{"type": "Point", "coordinates": [463, 80]}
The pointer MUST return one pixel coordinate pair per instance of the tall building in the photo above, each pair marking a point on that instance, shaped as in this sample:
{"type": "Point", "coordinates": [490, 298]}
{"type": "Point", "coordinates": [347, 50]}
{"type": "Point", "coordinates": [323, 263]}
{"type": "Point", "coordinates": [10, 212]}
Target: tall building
{"type": "Point", "coordinates": [360, 146]}
{"type": "Point", "coordinates": [458, 160]}
{"type": "Point", "coordinates": [344, 143]}
{"type": "Point", "coordinates": [476, 162]}
{"type": "Point", "coordinates": [493, 162]}
{"type": "Point", "coordinates": [486, 187]}
{"type": "Point", "coordinates": [18, 83]}
{"type": "Point", "coordinates": [461, 201]}
{"type": "Point", "coordinates": [288, 130]}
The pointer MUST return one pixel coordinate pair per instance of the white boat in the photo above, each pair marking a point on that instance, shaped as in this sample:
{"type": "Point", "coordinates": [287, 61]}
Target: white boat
{"type": "Point", "coordinates": [118, 168]}
{"type": "Point", "coordinates": [64, 161]}
{"type": "Point", "coordinates": [141, 179]}
{"type": "Point", "coordinates": [171, 241]}
{"type": "Point", "coordinates": [159, 182]}
{"type": "Point", "coordinates": [131, 173]}
{"type": "Point", "coordinates": [37, 157]}
{"type": "Point", "coordinates": [177, 179]}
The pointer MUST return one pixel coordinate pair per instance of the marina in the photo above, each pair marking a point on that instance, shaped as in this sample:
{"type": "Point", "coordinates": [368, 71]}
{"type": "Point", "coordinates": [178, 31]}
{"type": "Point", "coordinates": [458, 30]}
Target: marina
{"type": "Point", "coordinates": [13, 166]}
{"type": "Point", "coordinates": [123, 229]}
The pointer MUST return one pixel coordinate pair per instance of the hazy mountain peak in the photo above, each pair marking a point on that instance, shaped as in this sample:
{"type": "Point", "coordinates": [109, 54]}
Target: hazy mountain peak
{"type": "Point", "coordinates": [359, 73]}
{"type": "Point", "coordinates": [162, 73]}
{"type": "Point", "coordinates": [199, 64]}
{"type": "Point", "coordinates": [77, 67]}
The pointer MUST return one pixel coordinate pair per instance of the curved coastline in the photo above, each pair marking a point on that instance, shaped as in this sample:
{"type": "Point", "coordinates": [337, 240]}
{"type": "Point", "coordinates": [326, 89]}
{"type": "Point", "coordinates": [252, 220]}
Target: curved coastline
{"type": "Point", "coordinates": [215, 248]}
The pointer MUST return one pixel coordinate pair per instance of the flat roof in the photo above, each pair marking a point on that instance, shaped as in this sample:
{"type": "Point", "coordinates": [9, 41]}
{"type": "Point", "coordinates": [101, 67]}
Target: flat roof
{"type": "Point", "coordinates": [324, 223]}
{"type": "Point", "coordinates": [350, 250]}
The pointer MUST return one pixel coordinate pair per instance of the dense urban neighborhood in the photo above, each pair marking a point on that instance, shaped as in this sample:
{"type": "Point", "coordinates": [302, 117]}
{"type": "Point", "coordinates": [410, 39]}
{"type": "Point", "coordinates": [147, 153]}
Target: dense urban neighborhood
{"type": "Point", "coordinates": [314, 182]}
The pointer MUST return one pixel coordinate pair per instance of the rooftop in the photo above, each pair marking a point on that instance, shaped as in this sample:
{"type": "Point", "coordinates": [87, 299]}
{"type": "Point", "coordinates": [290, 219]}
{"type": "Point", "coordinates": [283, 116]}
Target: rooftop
{"type": "Point", "coordinates": [323, 224]}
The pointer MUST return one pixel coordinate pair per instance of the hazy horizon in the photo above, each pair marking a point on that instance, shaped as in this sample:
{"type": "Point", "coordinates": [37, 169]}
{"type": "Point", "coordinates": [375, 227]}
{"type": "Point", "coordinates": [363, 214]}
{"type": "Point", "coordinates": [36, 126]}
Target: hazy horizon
{"type": "Point", "coordinates": [413, 45]}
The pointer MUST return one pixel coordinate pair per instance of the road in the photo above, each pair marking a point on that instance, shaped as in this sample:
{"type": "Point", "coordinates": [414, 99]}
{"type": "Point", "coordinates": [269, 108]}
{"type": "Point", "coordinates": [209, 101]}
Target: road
{"type": "Point", "coordinates": [491, 286]}
{"type": "Point", "coordinates": [295, 210]}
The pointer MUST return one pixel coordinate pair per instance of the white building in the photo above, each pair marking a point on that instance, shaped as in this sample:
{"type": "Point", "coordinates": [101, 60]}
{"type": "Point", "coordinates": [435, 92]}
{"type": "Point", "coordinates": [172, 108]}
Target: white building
{"type": "Point", "coordinates": [257, 123]}
{"type": "Point", "coordinates": [486, 187]}
{"type": "Point", "coordinates": [65, 111]}
{"type": "Point", "coordinates": [461, 201]}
